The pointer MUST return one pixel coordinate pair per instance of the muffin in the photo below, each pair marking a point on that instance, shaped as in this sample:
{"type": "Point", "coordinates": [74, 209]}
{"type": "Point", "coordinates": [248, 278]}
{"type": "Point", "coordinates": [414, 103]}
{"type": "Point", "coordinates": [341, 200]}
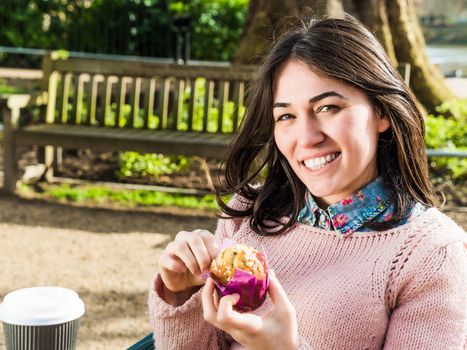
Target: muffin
{"type": "Point", "coordinates": [238, 256]}
{"type": "Point", "coordinates": [241, 269]}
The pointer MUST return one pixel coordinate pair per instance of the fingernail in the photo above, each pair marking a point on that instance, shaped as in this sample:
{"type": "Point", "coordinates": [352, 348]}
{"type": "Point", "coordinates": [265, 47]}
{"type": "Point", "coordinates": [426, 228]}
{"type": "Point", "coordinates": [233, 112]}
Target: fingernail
{"type": "Point", "coordinates": [235, 298]}
{"type": "Point", "coordinates": [205, 274]}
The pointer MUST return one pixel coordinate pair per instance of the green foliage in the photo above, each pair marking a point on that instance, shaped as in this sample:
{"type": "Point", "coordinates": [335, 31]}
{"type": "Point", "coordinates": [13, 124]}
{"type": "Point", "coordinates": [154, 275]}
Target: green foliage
{"type": "Point", "coordinates": [125, 27]}
{"type": "Point", "coordinates": [216, 26]}
{"type": "Point", "coordinates": [448, 133]}
{"type": "Point", "coordinates": [114, 26]}
{"type": "Point", "coordinates": [129, 197]}
{"type": "Point", "coordinates": [134, 164]}
{"type": "Point", "coordinates": [8, 89]}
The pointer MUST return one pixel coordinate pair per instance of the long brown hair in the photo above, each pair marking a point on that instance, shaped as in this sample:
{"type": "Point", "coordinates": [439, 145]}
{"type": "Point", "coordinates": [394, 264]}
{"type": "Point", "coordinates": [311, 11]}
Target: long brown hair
{"type": "Point", "coordinates": [345, 50]}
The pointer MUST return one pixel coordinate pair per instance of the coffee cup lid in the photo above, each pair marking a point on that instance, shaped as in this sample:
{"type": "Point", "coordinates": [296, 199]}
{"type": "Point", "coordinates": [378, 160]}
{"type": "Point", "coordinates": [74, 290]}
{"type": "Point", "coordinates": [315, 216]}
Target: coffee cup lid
{"type": "Point", "coordinates": [41, 306]}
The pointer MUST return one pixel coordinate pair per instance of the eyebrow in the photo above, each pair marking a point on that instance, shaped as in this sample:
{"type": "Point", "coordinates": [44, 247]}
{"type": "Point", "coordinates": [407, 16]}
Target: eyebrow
{"type": "Point", "coordinates": [313, 99]}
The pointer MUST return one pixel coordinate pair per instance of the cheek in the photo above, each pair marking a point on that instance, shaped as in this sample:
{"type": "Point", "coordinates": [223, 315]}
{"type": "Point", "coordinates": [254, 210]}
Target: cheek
{"type": "Point", "coordinates": [281, 141]}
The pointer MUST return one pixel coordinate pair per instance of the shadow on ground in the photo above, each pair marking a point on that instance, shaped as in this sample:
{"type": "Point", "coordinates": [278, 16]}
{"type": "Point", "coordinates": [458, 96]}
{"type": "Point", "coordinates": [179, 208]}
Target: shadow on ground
{"type": "Point", "coordinates": [33, 212]}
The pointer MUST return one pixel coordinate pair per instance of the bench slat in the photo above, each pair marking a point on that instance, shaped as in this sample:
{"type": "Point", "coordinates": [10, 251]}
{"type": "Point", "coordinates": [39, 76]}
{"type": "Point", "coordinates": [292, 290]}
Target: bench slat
{"type": "Point", "coordinates": [208, 97]}
{"type": "Point", "coordinates": [64, 96]}
{"type": "Point", "coordinates": [91, 96]}
{"type": "Point", "coordinates": [191, 103]}
{"type": "Point", "coordinates": [176, 116]}
{"type": "Point", "coordinates": [120, 100]}
{"type": "Point", "coordinates": [163, 104]}
{"type": "Point", "coordinates": [104, 106]}
{"type": "Point", "coordinates": [134, 102]}
{"type": "Point", "coordinates": [238, 92]}
{"type": "Point", "coordinates": [223, 99]}
{"type": "Point", "coordinates": [78, 98]}
{"type": "Point", "coordinates": [149, 91]}
{"type": "Point", "coordinates": [51, 98]}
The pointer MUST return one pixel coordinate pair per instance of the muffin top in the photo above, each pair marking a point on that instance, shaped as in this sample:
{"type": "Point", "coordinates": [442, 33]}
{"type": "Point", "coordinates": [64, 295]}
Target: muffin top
{"type": "Point", "coordinates": [238, 256]}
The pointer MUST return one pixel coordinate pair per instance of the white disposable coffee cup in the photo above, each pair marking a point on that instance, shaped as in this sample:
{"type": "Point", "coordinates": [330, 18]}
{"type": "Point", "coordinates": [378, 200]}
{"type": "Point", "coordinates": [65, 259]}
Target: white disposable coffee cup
{"type": "Point", "coordinates": [41, 318]}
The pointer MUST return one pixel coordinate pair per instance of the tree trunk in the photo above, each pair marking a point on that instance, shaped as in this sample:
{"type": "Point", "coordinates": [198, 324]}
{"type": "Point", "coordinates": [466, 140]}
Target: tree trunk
{"type": "Point", "coordinates": [261, 27]}
{"type": "Point", "coordinates": [373, 14]}
{"type": "Point", "coordinates": [426, 80]}
{"type": "Point", "coordinates": [267, 19]}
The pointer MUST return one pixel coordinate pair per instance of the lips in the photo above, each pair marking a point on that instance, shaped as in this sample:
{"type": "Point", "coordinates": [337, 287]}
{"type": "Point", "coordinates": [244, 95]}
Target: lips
{"type": "Point", "coordinates": [319, 162]}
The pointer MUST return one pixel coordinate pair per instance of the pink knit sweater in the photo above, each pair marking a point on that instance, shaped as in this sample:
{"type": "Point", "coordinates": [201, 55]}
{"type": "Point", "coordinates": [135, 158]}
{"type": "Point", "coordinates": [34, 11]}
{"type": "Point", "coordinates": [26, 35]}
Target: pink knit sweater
{"type": "Point", "coordinates": [399, 289]}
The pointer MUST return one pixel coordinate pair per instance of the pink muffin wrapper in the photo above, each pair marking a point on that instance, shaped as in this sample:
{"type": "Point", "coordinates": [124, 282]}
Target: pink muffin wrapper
{"type": "Point", "coordinates": [252, 291]}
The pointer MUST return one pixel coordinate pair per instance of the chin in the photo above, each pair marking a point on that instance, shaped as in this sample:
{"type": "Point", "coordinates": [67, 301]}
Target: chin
{"type": "Point", "coordinates": [320, 193]}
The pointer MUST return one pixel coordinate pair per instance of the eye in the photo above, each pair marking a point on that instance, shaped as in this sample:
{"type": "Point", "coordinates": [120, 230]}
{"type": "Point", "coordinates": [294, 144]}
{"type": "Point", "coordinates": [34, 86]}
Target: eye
{"type": "Point", "coordinates": [328, 108]}
{"type": "Point", "coordinates": [284, 117]}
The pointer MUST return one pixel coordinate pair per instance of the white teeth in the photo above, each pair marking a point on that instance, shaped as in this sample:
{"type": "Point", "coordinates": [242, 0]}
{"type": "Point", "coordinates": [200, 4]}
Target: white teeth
{"type": "Point", "coordinates": [319, 162]}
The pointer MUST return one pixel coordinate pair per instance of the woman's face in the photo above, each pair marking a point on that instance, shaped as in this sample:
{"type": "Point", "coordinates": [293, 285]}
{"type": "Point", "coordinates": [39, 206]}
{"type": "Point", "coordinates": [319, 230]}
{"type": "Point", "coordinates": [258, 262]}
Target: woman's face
{"type": "Point", "coordinates": [327, 131]}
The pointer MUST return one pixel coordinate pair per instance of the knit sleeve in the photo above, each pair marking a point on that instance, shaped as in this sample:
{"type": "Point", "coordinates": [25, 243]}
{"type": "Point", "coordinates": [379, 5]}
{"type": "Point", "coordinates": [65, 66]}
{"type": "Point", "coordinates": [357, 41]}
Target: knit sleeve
{"type": "Point", "coordinates": [430, 310]}
{"type": "Point", "coordinates": [184, 327]}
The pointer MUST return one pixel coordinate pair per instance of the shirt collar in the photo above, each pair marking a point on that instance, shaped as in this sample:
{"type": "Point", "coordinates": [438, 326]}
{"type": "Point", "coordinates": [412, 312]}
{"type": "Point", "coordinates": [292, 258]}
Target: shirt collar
{"type": "Point", "coordinates": [349, 214]}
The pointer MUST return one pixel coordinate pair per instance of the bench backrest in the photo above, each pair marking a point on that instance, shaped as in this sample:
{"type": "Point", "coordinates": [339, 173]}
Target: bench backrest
{"type": "Point", "coordinates": [145, 94]}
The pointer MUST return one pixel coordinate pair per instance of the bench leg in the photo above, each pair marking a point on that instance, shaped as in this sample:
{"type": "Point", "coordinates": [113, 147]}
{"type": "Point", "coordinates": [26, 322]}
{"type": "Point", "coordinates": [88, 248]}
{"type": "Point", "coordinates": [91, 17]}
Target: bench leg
{"type": "Point", "coordinates": [49, 155]}
{"type": "Point", "coordinates": [58, 159]}
{"type": "Point", "coordinates": [10, 168]}
{"type": "Point", "coordinates": [10, 165]}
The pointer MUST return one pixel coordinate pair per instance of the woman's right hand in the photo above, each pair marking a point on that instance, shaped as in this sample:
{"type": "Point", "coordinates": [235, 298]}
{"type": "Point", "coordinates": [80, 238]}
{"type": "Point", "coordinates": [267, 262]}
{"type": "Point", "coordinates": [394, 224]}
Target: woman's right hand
{"type": "Point", "coordinates": [183, 261]}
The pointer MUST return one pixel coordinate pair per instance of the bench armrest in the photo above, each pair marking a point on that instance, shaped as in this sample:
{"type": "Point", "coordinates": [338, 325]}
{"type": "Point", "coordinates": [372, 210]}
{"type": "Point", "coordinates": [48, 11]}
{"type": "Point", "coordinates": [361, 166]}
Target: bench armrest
{"type": "Point", "coordinates": [11, 105]}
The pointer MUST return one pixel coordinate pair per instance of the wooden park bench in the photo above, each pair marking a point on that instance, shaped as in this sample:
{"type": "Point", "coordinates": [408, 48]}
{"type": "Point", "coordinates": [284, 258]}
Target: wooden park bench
{"type": "Point", "coordinates": [121, 105]}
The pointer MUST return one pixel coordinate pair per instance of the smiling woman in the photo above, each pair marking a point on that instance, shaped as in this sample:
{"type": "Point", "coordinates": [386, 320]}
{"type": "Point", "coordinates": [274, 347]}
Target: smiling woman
{"type": "Point", "coordinates": [359, 255]}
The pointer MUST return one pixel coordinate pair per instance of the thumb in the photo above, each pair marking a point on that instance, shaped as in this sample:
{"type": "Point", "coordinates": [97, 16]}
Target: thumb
{"type": "Point", "coordinates": [277, 294]}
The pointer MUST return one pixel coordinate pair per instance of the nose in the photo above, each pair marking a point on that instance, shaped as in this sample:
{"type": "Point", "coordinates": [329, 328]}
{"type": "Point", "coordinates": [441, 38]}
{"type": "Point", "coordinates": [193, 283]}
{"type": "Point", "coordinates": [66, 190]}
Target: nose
{"type": "Point", "coordinates": [309, 132]}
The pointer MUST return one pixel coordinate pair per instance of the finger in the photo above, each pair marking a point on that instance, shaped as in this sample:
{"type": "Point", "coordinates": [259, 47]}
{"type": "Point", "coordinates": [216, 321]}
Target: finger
{"type": "Point", "coordinates": [197, 244]}
{"type": "Point", "coordinates": [277, 294]}
{"type": "Point", "coordinates": [232, 321]}
{"type": "Point", "coordinates": [182, 251]}
{"type": "Point", "coordinates": [211, 244]}
{"type": "Point", "coordinates": [173, 264]}
{"type": "Point", "coordinates": [216, 299]}
{"type": "Point", "coordinates": [209, 307]}
{"type": "Point", "coordinates": [202, 243]}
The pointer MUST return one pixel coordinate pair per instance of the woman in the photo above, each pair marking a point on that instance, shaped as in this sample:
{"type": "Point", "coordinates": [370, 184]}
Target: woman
{"type": "Point", "coordinates": [341, 203]}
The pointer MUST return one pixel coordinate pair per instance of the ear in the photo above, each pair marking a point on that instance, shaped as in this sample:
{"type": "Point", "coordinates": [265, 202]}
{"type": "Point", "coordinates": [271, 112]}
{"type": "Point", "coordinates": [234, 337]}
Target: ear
{"type": "Point", "coordinates": [383, 124]}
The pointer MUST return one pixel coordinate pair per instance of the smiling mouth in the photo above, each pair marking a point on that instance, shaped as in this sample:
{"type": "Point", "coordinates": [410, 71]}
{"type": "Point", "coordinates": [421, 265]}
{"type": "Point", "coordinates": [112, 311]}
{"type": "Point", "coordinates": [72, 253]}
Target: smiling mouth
{"type": "Point", "coordinates": [320, 162]}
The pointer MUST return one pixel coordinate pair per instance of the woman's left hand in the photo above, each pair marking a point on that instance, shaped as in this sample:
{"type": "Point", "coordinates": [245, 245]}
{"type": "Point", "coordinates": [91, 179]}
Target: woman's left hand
{"type": "Point", "coordinates": [277, 329]}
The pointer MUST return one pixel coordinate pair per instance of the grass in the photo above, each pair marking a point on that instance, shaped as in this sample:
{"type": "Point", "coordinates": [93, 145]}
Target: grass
{"type": "Point", "coordinates": [128, 198]}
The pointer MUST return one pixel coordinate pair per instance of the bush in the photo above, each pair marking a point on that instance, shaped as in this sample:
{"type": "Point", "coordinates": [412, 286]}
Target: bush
{"type": "Point", "coordinates": [124, 27]}
{"type": "Point", "coordinates": [449, 133]}
{"type": "Point", "coordinates": [131, 198]}
{"type": "Point", "coordinates": [133, 164]}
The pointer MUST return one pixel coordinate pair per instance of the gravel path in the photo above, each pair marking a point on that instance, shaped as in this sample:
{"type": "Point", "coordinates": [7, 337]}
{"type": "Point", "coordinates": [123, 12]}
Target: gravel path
{"type": "Point", "coordinates": [107, 256]}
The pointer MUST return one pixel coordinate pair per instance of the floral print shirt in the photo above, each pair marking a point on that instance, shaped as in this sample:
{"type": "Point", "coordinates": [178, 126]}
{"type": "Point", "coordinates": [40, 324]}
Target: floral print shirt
{"type": "Point", "coordinates": [352, 213]}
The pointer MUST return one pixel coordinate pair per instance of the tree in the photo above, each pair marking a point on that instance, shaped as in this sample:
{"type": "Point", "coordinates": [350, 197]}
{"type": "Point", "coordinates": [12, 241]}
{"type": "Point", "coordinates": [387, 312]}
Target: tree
{"type": "Point", "coordinates": [394, 22]}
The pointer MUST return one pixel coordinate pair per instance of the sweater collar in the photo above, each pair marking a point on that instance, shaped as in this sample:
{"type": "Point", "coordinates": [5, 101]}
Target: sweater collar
{"type": "Point", "coordinates": [349, 214]}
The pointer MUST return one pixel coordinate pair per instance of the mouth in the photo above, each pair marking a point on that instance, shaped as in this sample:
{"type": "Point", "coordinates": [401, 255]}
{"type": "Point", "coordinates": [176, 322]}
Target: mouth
{"type": "Point", "coordinates": [320, 162]}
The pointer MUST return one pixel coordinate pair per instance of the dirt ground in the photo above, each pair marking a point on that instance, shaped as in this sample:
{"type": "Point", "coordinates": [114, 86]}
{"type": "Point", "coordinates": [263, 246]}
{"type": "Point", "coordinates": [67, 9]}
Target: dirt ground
{"type": "Point", "coordinates": [107, 256]}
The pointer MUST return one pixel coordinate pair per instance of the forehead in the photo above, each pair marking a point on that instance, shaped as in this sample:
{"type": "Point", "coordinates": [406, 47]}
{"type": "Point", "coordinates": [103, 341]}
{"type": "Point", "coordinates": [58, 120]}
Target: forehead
{"type": "Point", "coordinates": [295, 79]}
